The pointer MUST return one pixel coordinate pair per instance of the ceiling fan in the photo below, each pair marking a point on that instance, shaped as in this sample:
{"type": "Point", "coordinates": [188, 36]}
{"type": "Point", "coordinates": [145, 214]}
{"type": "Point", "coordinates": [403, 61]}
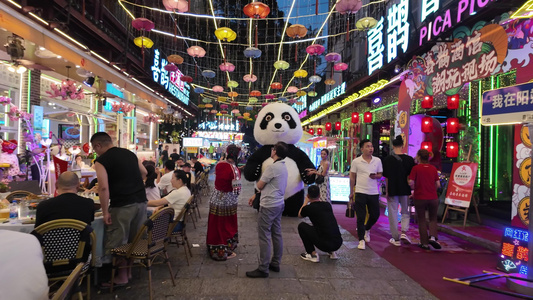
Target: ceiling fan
{"type": "Point", "coordinates": [15, 49]}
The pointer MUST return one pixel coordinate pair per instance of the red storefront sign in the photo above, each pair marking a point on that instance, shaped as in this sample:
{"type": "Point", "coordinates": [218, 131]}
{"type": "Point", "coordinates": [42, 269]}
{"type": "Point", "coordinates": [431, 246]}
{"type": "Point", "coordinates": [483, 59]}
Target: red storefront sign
{"type": "Point", "coordinates": [461, 184]}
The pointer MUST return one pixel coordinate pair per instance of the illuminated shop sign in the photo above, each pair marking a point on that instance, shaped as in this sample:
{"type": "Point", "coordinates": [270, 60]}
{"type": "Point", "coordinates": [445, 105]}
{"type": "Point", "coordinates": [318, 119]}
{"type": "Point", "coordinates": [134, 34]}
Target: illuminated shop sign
{"type": "Point", "coordinates": [514, 251]}
{"type": "Point", "coordinates": [170, 80]}
{"type": "Point", "coordinates": [109, 104]}
{"type": "Point", "coordinates": [193, 142]}
{"type": "Point", "coordinates": [334, 93]}
{"type": "Point", "coordinates": [303, 114]}
{"type": "Point", "coordinates": [218, 135]}
{"type": "Point", "coordinates": [222, 126]}
{"type": "Point", "coordinates": [110, 88]}
{"type": "Point", "coordinates": [302, 106]}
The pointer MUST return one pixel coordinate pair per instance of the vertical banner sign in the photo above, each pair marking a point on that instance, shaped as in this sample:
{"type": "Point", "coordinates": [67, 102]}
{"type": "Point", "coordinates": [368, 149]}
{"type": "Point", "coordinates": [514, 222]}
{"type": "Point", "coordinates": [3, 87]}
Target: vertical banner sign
{"type": "Point", "coordinates": [461, 184]}
{"type": "Point", "coordinates": [38, 114]}
{"type": "Point", "coordinates": [60, 166]}
{"type": "Point", "coordinates": [401, 126]}
{"type": "Point", "coordinates": [521, 177]}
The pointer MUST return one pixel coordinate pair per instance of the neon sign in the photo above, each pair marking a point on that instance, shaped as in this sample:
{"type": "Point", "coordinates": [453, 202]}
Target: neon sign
{"type": "Point", "coordinates": [334, 93]}
{"type": "Point", "coordinates": [222, 126]}
{"type": "Point", "coordinates": [302, 106]}
{"type": "Point", "coordinates": [514, 251]}
{"type": "Point", "coordinates": [397, 29]}
{"type": "Point", "coordinates": [172, 82]}
{"type": "Point", "coordinates": [375, 47]}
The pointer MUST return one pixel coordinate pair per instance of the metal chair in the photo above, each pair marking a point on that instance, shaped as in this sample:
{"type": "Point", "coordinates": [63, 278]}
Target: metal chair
{"type": "Point", "coordinates": [67, 243]}
{"type": "Point", "coordinates": [146, 250]}
{"type": "Point", "coordinates": [69, 286]}
{"type": "Point", "coordinates": [180, 237]}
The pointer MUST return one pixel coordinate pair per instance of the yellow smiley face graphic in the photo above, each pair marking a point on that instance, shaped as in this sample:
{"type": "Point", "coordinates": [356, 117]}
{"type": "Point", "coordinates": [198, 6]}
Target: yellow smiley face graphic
{"type": "Point", "coordinates": [525, 171]}
{"type": "Point", "coordinates": [524, 136]}
{"type": "Point", "coordinates": [523, 210]}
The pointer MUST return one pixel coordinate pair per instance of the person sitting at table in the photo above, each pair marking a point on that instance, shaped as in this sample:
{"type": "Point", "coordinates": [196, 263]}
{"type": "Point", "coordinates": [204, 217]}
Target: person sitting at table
{"type": "Point", "coordinates": [163, 182]}
{"type": "Point", "coordinates": [179, 163]}
{"type": "Point", "coordinates": [152, 191]}
{"type": "Point", "coordinates": [197, 166]}
{"type": "Point", "coordinates": [67, 205]}
{"type": "Point", "coordinates": [177, 198]}
{"type": "Point", "coordinates": [190, 175]}
{"type": "Point", "coordinates": [78, 164]}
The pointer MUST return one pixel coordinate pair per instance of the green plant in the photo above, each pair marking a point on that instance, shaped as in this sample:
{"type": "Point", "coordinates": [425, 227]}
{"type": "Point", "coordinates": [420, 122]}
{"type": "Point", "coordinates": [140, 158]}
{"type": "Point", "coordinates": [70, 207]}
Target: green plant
{"type": "Point", "coordinates": [470, 139]}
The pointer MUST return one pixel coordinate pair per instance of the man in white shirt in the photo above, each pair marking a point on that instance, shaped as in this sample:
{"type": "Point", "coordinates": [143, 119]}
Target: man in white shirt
{"type": "Point", "coordinates": [367, 169]}
{"type": "Point", "coordinates": [164, 182]}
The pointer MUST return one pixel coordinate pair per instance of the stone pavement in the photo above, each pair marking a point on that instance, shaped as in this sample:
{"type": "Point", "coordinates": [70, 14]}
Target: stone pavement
{"type": "Point", "coordinates": [355, 275]}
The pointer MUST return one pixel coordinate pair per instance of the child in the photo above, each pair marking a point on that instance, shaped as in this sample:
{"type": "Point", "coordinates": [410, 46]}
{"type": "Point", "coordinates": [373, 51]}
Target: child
{"type": "Point", "coordinates": [424, 179]}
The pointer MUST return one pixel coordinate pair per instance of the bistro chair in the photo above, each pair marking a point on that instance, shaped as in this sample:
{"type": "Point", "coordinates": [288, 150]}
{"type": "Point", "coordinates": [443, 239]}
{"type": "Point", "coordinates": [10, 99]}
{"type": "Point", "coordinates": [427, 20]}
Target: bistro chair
{"type": "Point", "coordinates": [144, 251]}
{"type": "Point", "coordinates": [69, 286]}
{"type": "Point", "coordinates": [67, 243]}
{"type": "Point", "coordinates": [180, 237]}
{"type": "Point", "coordinates": [19, 194]}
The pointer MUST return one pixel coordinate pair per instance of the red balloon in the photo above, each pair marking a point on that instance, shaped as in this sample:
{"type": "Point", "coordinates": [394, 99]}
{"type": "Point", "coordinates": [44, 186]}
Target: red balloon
{"type": "Point", "coordinates": [86, 148]}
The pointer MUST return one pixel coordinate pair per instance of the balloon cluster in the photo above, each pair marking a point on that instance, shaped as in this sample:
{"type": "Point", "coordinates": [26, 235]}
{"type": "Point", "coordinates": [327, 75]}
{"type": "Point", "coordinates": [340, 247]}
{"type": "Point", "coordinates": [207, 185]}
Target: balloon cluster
{"type": "Point", "coordinates": [67, 90]}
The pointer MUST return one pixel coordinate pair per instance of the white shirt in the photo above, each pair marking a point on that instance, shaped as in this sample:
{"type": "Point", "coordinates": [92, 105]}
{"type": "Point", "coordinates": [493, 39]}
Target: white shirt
{"type": "Point", "coordinates": [165, 184]}
{"type": "Point", "coordinates": [364, 184]}
{"type": "Point", "coordinates": [177, 199]}
{"type": "Point", "coordinates": [153, 193]}
{"type": "Point", "coordinates": [22, 255]}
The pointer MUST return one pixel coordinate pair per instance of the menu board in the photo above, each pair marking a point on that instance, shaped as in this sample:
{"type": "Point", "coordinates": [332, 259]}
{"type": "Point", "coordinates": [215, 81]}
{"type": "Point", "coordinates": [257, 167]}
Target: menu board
{"type": "Point", "coordinates": [514, 252]}
{"type": "Point", "coordinates": [339, 188]}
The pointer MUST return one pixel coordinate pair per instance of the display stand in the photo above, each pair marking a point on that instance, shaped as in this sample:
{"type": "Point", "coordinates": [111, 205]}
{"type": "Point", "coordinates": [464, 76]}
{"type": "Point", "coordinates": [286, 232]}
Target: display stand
{"type": "Point", "coordinates": [464, 210]}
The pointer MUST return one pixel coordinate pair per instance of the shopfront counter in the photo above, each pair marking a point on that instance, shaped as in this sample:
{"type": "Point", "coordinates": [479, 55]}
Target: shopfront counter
{"type": "Point", "coordinates": [339, 188]}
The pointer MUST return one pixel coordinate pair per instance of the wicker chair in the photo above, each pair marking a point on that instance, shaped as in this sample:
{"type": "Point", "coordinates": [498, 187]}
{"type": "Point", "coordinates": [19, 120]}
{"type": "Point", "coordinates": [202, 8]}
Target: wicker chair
{"type": "Point", "coordinates": [67, 243]}
{"type": "Point", "coordinates": [146, 250]}
{"type": "Point", "coordinates": [19, 194]}
{"type": "Point", "coordinates": [180, 237]}
{"type": "Point", "coordinates": [69, 286]}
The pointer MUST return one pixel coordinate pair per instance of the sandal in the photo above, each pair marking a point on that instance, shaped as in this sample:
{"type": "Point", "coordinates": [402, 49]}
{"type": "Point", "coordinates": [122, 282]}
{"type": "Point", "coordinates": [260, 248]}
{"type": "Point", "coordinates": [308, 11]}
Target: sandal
{"type": "Point", "coordinates": [232, 255]}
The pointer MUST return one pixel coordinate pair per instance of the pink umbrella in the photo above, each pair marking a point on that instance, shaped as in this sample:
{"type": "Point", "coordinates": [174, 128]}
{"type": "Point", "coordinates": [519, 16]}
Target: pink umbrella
{"type": "Point", "coordinates": [292, 89]}
{"type": "Point", "coordinates": [249, 78]}
{"type": "Point", "coordinates": [333, 57]}
{"type": "Point", "coordinates": [142, 24]}
{"type": "Point", "coordinates": [340, 66]}
{"type": "Point", "coordinates": [227, 67]}
{"type": "Point", "coordinates": [176, 5]}
{"type": "Point", "coordinates": [349, 6]}
{"type": "Point", "coordinates": [218, 89]}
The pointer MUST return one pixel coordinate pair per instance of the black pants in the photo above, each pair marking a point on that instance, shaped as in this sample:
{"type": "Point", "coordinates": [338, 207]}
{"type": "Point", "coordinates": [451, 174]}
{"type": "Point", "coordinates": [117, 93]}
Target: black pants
{"type": "Point", "coordinates": [310, 238]}
{"type": "Point", "coordinates": [362, 201]}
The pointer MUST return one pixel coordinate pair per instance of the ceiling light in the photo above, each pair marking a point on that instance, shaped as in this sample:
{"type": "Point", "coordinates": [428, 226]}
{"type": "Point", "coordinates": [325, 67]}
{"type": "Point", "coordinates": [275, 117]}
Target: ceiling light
{"type": "Point", "coordinates": [376, 100]}
{"type": "Point", "coordinates": [89, 81]}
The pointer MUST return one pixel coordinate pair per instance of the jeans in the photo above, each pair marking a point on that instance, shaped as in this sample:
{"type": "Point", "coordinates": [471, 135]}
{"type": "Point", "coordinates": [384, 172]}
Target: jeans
{"type": "Point", "coordinates": [432, 206]}
{"type": "Point", "coordinates": [362, 202]}
{"type": "Point", "coordinates": [310, 238]}
{"type": "Point", "coordinates": [269, 227]}
{"type": "Point", "coordinates": [392, 204]}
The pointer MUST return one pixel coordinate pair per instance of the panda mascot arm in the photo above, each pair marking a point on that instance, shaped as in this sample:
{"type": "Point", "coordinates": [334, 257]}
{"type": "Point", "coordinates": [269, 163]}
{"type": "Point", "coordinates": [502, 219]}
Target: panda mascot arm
{"type": "Point", "coordinates": [252, 170]}
{"type": "Point", "coordinates": [303, 162]}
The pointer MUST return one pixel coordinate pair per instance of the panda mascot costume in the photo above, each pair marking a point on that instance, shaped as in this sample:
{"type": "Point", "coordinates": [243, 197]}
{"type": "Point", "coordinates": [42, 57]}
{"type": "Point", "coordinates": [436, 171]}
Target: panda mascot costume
{"type": "Point", "coordinates": [278, 122]}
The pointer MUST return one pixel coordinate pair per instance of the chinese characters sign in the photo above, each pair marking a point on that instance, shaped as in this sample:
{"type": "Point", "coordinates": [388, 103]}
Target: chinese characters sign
{"type": "Point", "coordinates": [170, 80]}
{"type": "Point", "coordinates": [397, 29]}
{"type": "Point", "coordinates": [514, 251]}
{"type": "Point", "coordinates": [334, 93]}
{"type": "Point", "coordinates": [461, 184]}
{"type": "Point", "coordinates": [375, 47]}
{"type": "Point", "coordinates": [508, 105]}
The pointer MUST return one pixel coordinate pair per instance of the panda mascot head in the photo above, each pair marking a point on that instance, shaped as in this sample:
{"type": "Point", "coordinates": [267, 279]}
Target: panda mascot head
{"type": "Point", "coordinates": [277, 122]}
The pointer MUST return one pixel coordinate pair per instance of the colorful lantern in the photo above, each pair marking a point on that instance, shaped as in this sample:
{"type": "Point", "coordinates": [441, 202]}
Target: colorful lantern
{"type": "Point", "coordinates": [319, 131]}
{"type": "Point", "coordinates": [427, 145]}
{"type": "Point", "coordinates": [196, 51]}
{"type": "Point", "coordinates": [311, 131]}
{"type": "Point", "coordinates": [201, 105]}
{"type": "Point", "coordinates": [255, 93]}
{"type": "Point", "coordinates": [282, 99]}
{"type": "Point", "coordinates": [222, 99]}
{"type": "Point", "coordinates": [142, 24]}
{"type": "Point", "coordinates": [186, 78]}
{"type": "Point", "coordinates": [209, 74]}
{"type": "Point", "coordinates": [253, 100]}
{"type": "Point", "coordinates": [256, 10]}
{"type": "Point", "coordinates": [246, 115]}
{"type": "Point", "coordinates": [453, 102]}
{"type": "Point", "coordinates": [249, 78]}
{"type": "Point", "coordinates": [252, 52]}
{"type": "Point", "coordinates": [206, 100]}
{"type": "Point", "coordinates": [315, 79]}
{"type": "Point", "coordinates": [452, 125]}
{"type": "Point", "coordinates": [276, 86]}
{"type": "Point", "coordinates": [234, 104]}
{"type": "Point", "coordinates": [176, 5]}
{"type": "Point", "coordinates": [301, 93]}
{"type": "Point", "coordinates": [232, 84]}
{"type": "Point", "coordinates": [355, 117]}
{"type": "Point", "coordinates": [328, 126]}
{"type": "Point", "coordinates": [329, 81]}
{"type": "Point", "coordinates": [227, 67]}
{"type": "Point", "coordinates": [209, 106]}
{"type": "Point", "coordinates": [218, 89]}
{"type": "Point", "coordinates": [427, 102]}
{"type": "Point", "coordinates": [225, 34]}
{"type": "Point", "coordinates": [143, 42]}
{"type": "Point", "coordinates": [269, 96]}
{"type": "Point", "coordinates": [248, 107]}
{"type": "Point", "coordinates": [312, 94]}
{"type": "Point", "coordinates": [348, 6]}
{"type": "Point", "coordinates": [175, 59]}
{"type": "Point", "coordinates": [300, 73]}
{"type": "Point", "coordinates": [233, 94]}
{"type": "Point", "coordinates": [333, 57]}
{"type": "Point", "coordinates": [235, 111]}
{"type": "Point", "coordinates": [198, 90]}
{"type": "Point", "coordinates": [292, 89]}
{"type": "Point", "coordinates": [223, 106]}
{"type": "Point", "coordinates": [337, 125]}
{"type": "Point", "coordinates": [315, 49]}
{"type": "Point", "coordinates": [366, 23]}
{"type": "Point", "coordinates": [452, 149]}
{"type": "Point", "coordinates": [281, 65]}
{"type": "Point", "coordinates": [427, 124]}
{"type": "Point", "coordinates": [171, 67]}
{"type": "Point", "coordinates": [340, 66]}
{"type": "Point", "coordinates": [296, 31]}
{"type": "Point", "coordinates": [367, 117]}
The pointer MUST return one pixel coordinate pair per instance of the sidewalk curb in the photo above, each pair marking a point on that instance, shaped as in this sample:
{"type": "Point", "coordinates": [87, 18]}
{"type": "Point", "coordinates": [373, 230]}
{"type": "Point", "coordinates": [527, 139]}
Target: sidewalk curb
{"type": "Point", "coordinates": [492, 246]}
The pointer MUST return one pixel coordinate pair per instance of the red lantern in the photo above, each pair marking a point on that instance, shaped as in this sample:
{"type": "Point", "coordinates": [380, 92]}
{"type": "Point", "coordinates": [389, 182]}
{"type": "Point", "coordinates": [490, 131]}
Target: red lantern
{"type": "Point", "coordinates": [427, 124]}
{"type": "Point", "coordinates": [311, 131]}
{"type": "Point", "coordinates": [367, 117]}
{"type": "Point", "coordinates": [452, 149]}
{"type": "Point", "coordinates": [355, 117]}
{"type": "Point", "coordinates": [337, 125]}
{"type": "Point", "coordinates": [319, 131]}
{"type": "Point", "coordinates": [453, 102]}
{"type": "Point", "coordinates": [427, 145]}
{"type": "Point", "coordinates": [452, 125]}
{"type": "Point", "coordinates": [328, 126]}
{"type": "Point", "coordinates": [427, 102]}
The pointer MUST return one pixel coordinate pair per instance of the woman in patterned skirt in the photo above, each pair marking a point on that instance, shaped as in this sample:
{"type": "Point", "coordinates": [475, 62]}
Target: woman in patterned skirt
{"type": "Point", "coordinates": [222, 232]}
{"type": "Point", "coordinates": [323, 169]}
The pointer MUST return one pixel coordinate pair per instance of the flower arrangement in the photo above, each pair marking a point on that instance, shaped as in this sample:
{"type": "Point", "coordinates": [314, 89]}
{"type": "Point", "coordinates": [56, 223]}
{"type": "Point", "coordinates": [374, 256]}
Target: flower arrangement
{"type": "Point", "coordinates": [122, 107]}
{"type": "Point", "coordinates": [5, 100]}
{"type": "Point", "coordinates": [67, 90]}
{"type": "Point", "coordinates": [151, 118]}
{"type": "Point", "coordinates": [16, 114]}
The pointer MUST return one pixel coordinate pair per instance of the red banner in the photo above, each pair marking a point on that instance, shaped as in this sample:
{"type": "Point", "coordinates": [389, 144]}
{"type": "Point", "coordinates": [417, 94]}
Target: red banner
{"type": "Point", "coordinates": [60, 166]}
{"type": "Point", "coordinates": [461, 184]}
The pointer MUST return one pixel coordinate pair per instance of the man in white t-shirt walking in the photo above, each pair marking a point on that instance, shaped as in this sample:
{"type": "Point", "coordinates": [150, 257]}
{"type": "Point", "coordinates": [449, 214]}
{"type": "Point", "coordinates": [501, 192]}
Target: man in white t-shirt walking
{"type": "Point", "coordinates": [367, 169]}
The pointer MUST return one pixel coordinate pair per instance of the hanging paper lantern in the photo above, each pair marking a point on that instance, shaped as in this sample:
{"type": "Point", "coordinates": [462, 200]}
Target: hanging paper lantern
{"type": "Point", "coordinates": [329, 81]}
{"type": "Point", "coordinates": [292, 89]}
{"type": "Point", "coordinates": [328, 126]}
{"type": "Point", "coordinates": [315, 49]}
{"type": "Point", "coordinates": [246, 115]}
{"type": "Point", "coordinates": [333, 57]}
{"type": "Point", "coordinates": [213, 111]}
{"type": "Point", "coordinates": [453, 102]}
{"type": "Point", "coordinates": [232, 84]}
{"type": "Point", "coordinates": [319, 131]}
{"type": "Point", "coordinates": [176, 5]}
{"type": "Point", "coordinates": [209, 106]}
{"type": "Point", "coordinates": [264, 104]}
{"type": "Point", "coordinates": [337, 125]}
{"type": "Point", "coordinates": [348, 6]}
{"type": "Point", "coordinates": [233, 94]}
{"type": "Point", "coordinates": [276, 86]}
{"type": "Point", "coordinates": [201, 105]}
{"type": "Point", "coordinates": [452, 149]}
{"type": "Point", "coordinates": [301, 93]}
{"type": "Point", "coordinates": [281, 65]}
{"type": "Point", "coordinates": [217, 114]}
{"type": "Point", "coordinates": [252, 52]}
{"type": "Point", "coordinates": [315, 79]}
{"type": "Point", "coordinates": [206, 110]}
{"type": "Point", "coordinates": [255, 93]}
{"type": "Point", "coordinates": [366, 23]}
{"type": "Point", "coordinates": [311, 131]}
{"type": "Point", "coordinates": [367, 117]}
{"type": "Point", "coordinates": [225, 34]}
{"type": "Point", "coordinates": [299, 102]}
{"type": "Point", "coordinates": [224, 112]}
{"type": "Point", "coordinates": [196, 51]}
{"type": "Point", "coordinates": [235, 111]}
{"type": "Point", "coordinates": [282, 99]}
{"type": "Point", "coordinates": [355, 117]}
{"type": "Point", "coordinates": [186, 78]}
{"type": "Point", "coordinates": [452, 125]}
{"type": "Point", "coordinates": [143, 42]}
{"type": "Point", "coordinates": [175, 59]}
{"type": "Point", "coordinates": [296, 31]}
{"type": "Point", "coordinates": [234, 104]}
{"type": "Point", "coordinates": [427, 102]}
{"type": "Point", "coordinates": [206, 100]}
{"type": "Point", "coordinates": [142, 24]}
{"type": "Point", "coordinates": [427, 145]}
{"type": "Point", "coordinates": [209, 73]}
{"type": "Point", "coordinates": [249, 78]}
{"type": "Point", "coordinates": [312, 94]}
{"type": "Point", "coordinates": [171, 67]}
{"type": "Point", "coordinates": [248, 107]}
{"type": "Point", "coordinates": [253, 100]}
{"type": "Point", "coordinates": [269, 96]}
{"type": "Point", "coordinates": [300, 73]}
{"type": "Point", "coordinates": [240, 117]}
{"type": "Point", "coordinates": [340, 66]}
{"type": "Point", "coordinates": [218, 89]}
{"type": "Point", "coordinates": [292, 101]}
{"type": "Point", "coordinates": [427, 124]}
{"type": "Point", "coordinates": [198, 90]}
{"type": "Point", "coordinates": [223, 106]}
{"type": "Point", "coordinates": [222, 99]}
{"type": "Point", "coordinates": [256, 10]}
{"type": "Point", "coordinates": [227, 67]}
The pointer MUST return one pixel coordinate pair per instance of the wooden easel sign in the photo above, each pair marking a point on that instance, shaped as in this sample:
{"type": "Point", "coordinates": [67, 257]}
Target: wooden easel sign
{"type": "Point", "coordinates": [460, 189]}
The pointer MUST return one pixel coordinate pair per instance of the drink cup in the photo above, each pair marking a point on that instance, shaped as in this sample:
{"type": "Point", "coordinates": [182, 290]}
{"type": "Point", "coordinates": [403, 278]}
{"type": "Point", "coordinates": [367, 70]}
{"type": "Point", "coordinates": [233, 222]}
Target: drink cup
{"type": "Point", "coordinates": [4, 213]}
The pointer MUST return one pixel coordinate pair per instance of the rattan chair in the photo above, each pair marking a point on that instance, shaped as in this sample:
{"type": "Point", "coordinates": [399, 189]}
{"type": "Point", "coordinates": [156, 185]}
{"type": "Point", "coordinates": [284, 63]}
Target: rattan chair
{"type": "Point", "coordinates": [69, 286]}
{"type": "Point", "coordinates": [180, 237]}
{"type": "Point", "coordinates": [146, 250]}
{"type": "Point", "coordinates": [19, 194]}
{"type": "Point", "coordinates": [65, 244]}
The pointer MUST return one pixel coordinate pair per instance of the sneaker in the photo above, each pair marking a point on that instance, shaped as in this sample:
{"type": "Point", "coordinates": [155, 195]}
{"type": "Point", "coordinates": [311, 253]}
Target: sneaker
{"type": "Point", "coordinates": [367, 236]}
{"type": "Point", "coordinates": [395, 242]}
{"type": "Point", "coordinates": [361, 245]}
{"type": "Point", "coordinates": [273, 268]}
{"type": "Point", "coordinates": [433, 242]}
{"type": "Point", "coordinates": [405, 239]}
{"type": "Point", "coordinates": [309, 257]}
{"type": "Point", "coordinates": [425, 247]}
{"type": "Point", "coordinates": [333, 255]}
{"type": "Point", "coordinates": [257, 274]}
